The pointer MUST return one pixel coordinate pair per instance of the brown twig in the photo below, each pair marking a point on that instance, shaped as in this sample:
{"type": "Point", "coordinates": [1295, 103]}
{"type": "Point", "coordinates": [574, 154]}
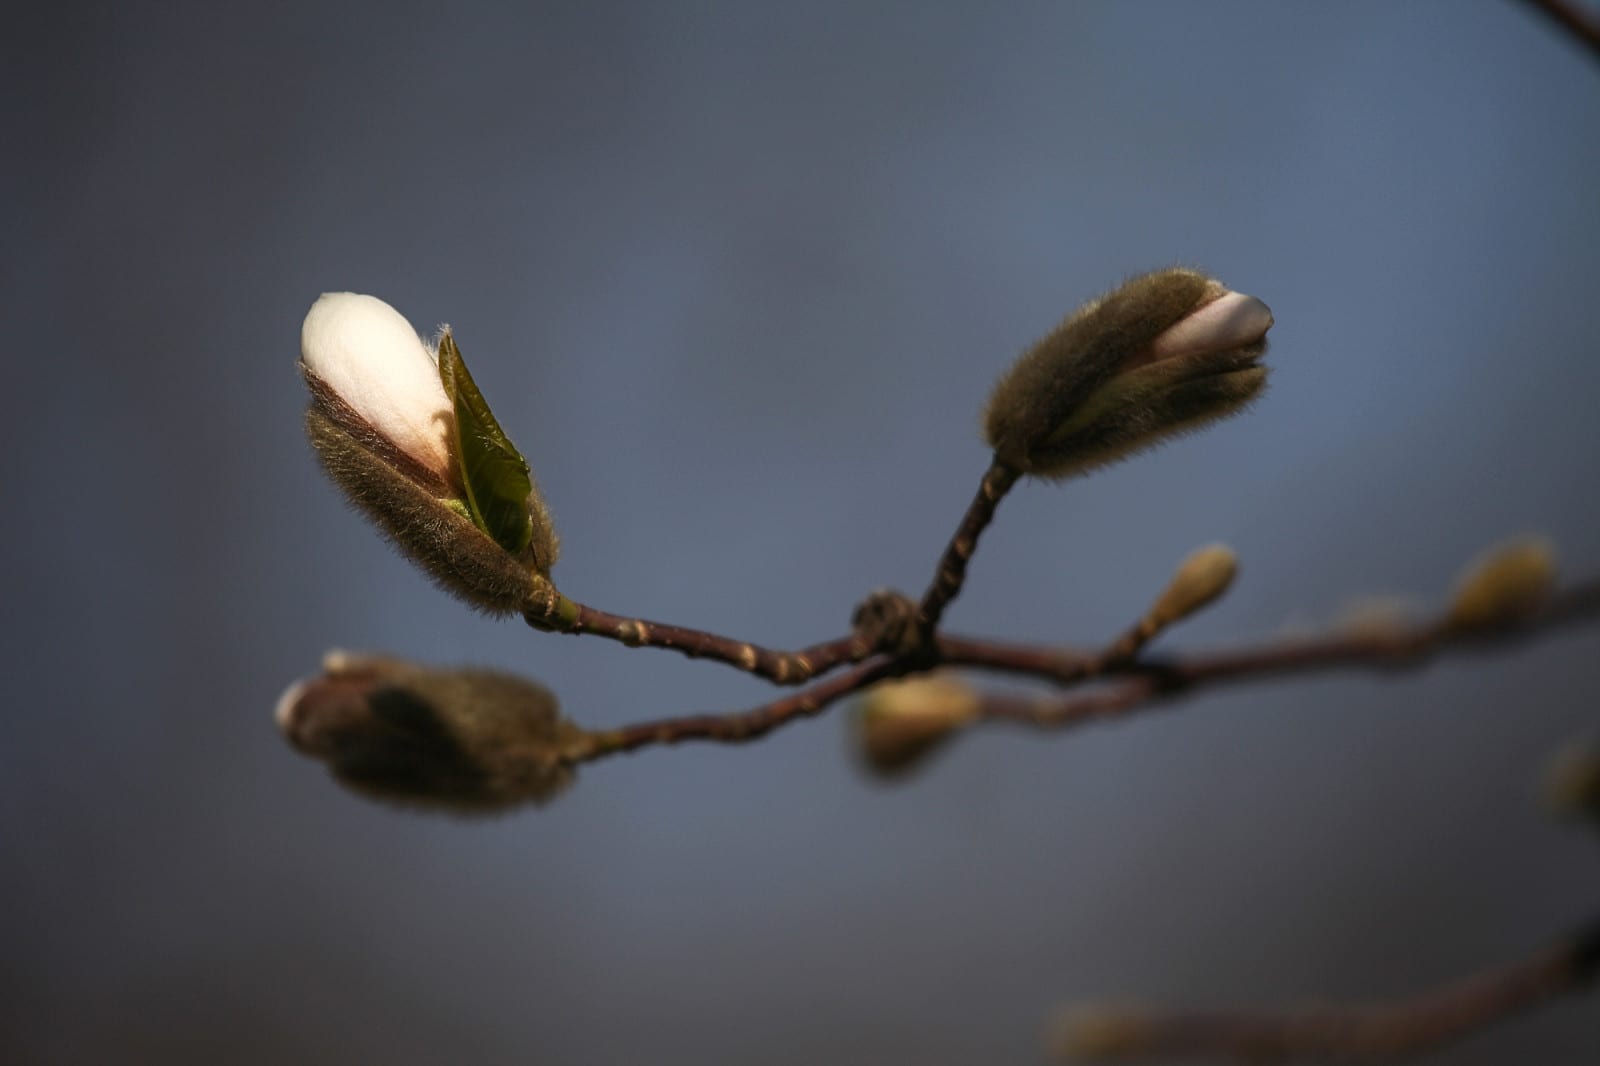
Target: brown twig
{"type": "Point", "coordinates": [1572, 19]}
{"type": "Point", "coordinates": [1150, 681]}
{"type": "Point", "coordinates": [563, 615]}
{"type": "Point", "coordinates": [779, 667]}
{"type": "Point", "coordinates": [1137, 683]}
{"type": "Point", "coordinates": [1404, 1027]}
{"type": "Point", "coordinates": [739, 727]}
{"type": "Point", "coordinates": [952, 570]}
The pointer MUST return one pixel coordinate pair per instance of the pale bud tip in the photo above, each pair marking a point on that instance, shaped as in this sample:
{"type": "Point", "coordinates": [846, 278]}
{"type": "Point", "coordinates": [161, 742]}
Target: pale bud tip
{"type": "Point", "coordinates": [1231, 321]}
{"type": "Point", "coordinates": [283, 713]}
{"type": "Point", "coordinates": [369, 356]}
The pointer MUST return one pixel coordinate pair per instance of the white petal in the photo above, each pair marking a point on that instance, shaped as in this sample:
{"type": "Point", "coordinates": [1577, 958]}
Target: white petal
{"type": "Point", "coordinates": [1232, 320]}
{"type": "Point", "coordinates": [368, 354]}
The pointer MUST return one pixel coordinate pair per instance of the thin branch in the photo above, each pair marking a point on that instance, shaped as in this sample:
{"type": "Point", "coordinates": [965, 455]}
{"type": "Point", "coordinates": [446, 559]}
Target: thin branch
{"type": "Point", "coordinates": [1571, 18]}
{"type": "Point", "coordinates": [1137, 683]}
{"type": "Point", "coordinates": [563, 615]}
{"type": "Point", "coordinates": [952, 571]}
{"type": "Point", "coordinates": [779, 667]}
{"type": "Point", "coordinates": [1149, 679]}
{"type": "Point", "coordinates": [738, 727]}
{"type": "Point", "coordinates": [1404, 1027]}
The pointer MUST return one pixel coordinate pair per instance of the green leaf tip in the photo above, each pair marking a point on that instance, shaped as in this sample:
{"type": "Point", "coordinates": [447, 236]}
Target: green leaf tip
{"type": "Point", "coordinates": [494, 473]}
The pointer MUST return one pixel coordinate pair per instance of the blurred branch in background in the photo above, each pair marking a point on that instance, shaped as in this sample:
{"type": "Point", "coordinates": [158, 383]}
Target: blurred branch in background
{"type": "Point", "coordinates": [1572, 18]}
{"type": "Point", "coordinates": [1381, 1030]}
{"type": "Point", "coordinates": [1394, 1029]}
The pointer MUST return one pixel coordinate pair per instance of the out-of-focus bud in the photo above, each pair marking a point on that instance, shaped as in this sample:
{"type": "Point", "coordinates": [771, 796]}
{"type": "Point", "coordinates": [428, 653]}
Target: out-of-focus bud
{"type": "Point", "coordinates": [1572, 784]}
{"type": "Point", "coordinates": [1377, 616]}
{"type": "Point", "coordinates": [1099, 1031]}
{"type": "Point", "coordinates": [901, 722]}
{"type": "Point", "coordinates": [1167, 353]}
{"type": "Point", "coordinates": [1504, 585]}
{"type": "Point", "coordinates": [470, 741]}
{"type": "Point", "coordinates": [1201, 578]}
{"type": "Point", "coordinates": [402, 429]}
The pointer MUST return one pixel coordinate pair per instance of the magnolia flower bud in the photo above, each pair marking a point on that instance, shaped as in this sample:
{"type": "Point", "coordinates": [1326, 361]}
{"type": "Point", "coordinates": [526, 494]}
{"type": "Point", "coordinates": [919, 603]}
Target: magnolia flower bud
{"type": "Point", "coordinates": [1506, 584]}
{"type": "Point", "coordinates": [1166, 353]}
{"type": "Point", "coordinates": [470, 741]}
{"type": "Point", "coordinates": [900, 722]}
{"type": "Point", "coordinates": [402, 429]}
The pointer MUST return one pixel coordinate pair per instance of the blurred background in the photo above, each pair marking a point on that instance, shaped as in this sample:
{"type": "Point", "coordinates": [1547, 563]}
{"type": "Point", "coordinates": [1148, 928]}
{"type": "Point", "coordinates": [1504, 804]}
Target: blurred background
{"type": "Point", "coordinates": [737, 277]}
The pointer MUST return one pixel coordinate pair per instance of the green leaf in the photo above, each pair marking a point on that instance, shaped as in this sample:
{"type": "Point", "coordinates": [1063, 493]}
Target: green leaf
{"type": "Point", "coordinates": [494, 472]}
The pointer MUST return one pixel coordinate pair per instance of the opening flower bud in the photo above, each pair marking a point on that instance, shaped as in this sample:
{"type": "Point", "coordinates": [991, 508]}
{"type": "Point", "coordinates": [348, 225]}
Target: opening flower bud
{"type": "Point", "coordinates": [471, 741]}
{"type": "Point", "coordinates": [901, 722]}
{"type": "Point", "coordinates": [400, 426]}
{"type": "Point", "coordinates": [1166, 353]}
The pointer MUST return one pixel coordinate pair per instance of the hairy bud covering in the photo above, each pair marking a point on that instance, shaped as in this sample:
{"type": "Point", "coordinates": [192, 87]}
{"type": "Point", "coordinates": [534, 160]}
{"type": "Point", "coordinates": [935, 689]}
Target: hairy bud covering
{"type": "Point", "coordinates": [471, 741]}
{"type": "Point", "coordinates": [1165, 353]}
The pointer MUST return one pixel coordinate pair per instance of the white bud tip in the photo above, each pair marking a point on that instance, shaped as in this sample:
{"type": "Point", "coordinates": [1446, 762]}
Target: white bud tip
{"type": "Point", "coordinates": [1233, 320]}
{"type": "Point", "coordinates": [368, 354]}
{"type": "Point", "coordinates": [284, 711]}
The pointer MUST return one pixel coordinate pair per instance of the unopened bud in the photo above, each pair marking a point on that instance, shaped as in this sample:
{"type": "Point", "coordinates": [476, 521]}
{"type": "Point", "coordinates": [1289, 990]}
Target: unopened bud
{"type": "Point", "coordinates": [1572, 784]}
{"type": "Point", "coordinates": [470, 741]}
{"type": "Point", "coordinates": [1201, 578]}
{"type": "Point", "coordinates": [402, 429]}
{"type": "Point", "coordinates": [1505, 585]}
{"type": "Point", "coordinates": [1166, 353]}
{"type": "Point", "coordinates": [900, 722]}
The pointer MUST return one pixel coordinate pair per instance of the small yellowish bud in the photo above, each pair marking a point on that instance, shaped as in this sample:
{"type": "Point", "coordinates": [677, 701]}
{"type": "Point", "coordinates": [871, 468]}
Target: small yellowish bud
{"type": "Point", "coordinates": [1201, 578]}
{"type": "Point", "coordinates": [1505, 584]}
{"type": "Point", "coordinates": [1164, 354]}
{"type": "Point", "coordinates": [469, 741]}
{"type": "Point", "coordinates": [1572, 783]}
{"type": "Point", "coordinates": [900, 722]}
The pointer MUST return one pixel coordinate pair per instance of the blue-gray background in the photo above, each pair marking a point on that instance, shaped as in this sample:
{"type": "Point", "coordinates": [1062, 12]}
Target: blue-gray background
{"type": "Point", "coordinates": [736, 278]}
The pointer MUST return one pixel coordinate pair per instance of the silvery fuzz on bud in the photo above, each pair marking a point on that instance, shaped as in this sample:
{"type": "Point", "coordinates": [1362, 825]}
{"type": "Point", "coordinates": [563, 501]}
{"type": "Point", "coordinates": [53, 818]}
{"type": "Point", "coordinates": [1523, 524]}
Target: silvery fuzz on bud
{"type": "Point", "coordinates": [900, 722]}
{"type": "Point", "coordinates": [1166, 353]}
{"type": "Point", "coordinates": [1504, 585]}
{"type": "Point", "coordinates": [1201, 578]}
{"type": "Point", "coordinates": [402, 429]}
{"type": "Point", "coordinates": [469, 741]}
